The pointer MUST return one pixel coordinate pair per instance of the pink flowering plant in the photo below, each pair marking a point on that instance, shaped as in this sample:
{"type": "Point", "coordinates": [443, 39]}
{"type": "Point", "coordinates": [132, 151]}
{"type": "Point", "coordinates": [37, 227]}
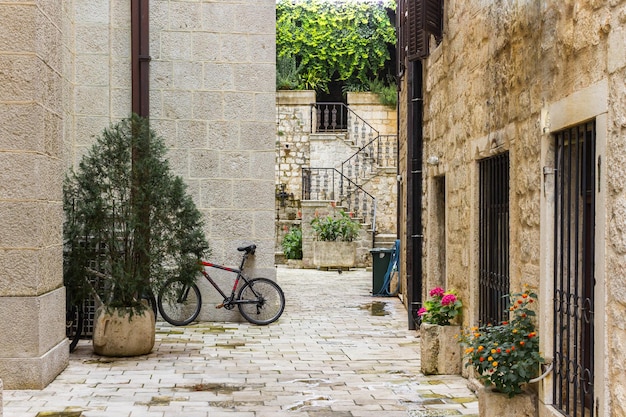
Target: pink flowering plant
{"type": "Point", "coordinates": [441, 308]}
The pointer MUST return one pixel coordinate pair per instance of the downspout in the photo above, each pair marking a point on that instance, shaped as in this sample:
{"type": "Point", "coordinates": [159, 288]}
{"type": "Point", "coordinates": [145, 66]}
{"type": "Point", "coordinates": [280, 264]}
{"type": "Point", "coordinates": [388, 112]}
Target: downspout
{"type": "Point", "coordinates": [140, 87]}
{"type": "Point", "coordinates": [140, 56]}
{"type": "Point", "coordinates": [414, 190]}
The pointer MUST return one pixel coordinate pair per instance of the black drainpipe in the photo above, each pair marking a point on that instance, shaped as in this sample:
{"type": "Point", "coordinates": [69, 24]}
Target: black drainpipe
{"type": "Point", "coordinates": [140, 56]}
{"type": "Point", "coordinates": [414, 190]}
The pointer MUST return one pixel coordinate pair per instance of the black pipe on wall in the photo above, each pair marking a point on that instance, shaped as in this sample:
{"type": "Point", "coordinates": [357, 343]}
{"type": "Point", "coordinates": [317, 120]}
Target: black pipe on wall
{"type": "Point", "coordinates": [140, 56]}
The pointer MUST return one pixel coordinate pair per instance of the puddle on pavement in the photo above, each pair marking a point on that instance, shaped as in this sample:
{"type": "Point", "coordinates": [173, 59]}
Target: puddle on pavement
{"type": "Point", "coordinates": [376, 308]}
{"type": "Point", "coordinates": [217, 388]}
{"type": "Point", "coordinates": [230, 345]}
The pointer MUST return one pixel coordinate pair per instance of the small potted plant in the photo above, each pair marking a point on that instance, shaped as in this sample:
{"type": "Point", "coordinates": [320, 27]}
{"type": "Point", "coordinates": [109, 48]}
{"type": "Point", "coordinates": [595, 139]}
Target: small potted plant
{"type": "Point", "coordinates": [440, 352]}
{"type": "Point", "coordinates": [334, 244]}
{"type": "Point", "coordinates": [506, 356]}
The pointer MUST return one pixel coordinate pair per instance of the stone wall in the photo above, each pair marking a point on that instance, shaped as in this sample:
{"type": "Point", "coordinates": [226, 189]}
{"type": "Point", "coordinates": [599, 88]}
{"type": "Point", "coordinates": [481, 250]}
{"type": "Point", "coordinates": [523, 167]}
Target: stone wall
{"type": "Point", "coordinates": [212, 98]}
{"type": "Point", "coordinates": [506, 76]}
{"type": "Point", "coordinates": [65, 75]}
{"type": "Point", "coordinates": [33, 88]}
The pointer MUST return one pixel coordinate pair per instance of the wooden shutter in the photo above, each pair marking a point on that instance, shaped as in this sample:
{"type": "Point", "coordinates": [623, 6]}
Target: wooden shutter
{"type": "Point", "coordinates": [424, 18]}
{"type": "Point", "coordinates": [417, 37]}
{"type": "Point", "coordinates": [433, 18]}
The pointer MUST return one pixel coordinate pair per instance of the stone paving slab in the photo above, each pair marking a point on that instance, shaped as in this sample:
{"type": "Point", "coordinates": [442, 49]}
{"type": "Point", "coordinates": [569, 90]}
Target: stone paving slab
{"type": "Point", "coordinates": [336, 351]}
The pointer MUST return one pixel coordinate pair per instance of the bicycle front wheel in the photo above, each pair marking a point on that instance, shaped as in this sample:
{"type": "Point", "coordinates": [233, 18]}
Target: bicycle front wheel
{"type": "Point", "coordinates": [179, 303]}
{"type": "Point", "coordinates": [261, 301]}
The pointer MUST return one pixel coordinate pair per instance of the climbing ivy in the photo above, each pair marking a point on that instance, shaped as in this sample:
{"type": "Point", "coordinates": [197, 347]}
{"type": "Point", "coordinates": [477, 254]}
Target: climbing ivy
{"type": "Point", "coordinates": [320, 41]}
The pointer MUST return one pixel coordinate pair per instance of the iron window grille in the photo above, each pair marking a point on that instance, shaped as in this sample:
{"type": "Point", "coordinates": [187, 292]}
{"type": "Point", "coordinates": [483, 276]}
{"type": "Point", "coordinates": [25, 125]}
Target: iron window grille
{"type": "Point", "coordinates": [574, 270]}
{"type": "Point", "coordinates": [494, 239]}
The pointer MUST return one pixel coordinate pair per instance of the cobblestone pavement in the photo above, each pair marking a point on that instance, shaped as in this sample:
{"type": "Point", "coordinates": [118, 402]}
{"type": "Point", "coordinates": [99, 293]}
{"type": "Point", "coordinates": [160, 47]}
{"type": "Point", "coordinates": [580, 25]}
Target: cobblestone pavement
{"type": "Point", "coordinates": [336, 351]}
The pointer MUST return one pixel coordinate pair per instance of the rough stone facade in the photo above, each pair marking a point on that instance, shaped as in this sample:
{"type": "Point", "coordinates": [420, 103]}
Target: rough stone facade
{"type": "Point", "coordinates": [65, 75]}
{"type": "Point", "coordinates": [506, 76]}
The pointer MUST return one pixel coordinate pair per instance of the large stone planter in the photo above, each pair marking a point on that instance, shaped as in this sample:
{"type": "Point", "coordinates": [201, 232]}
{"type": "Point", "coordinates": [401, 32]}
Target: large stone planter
{"type": "Point", "coordinates": [440, 349]}
{"type": "Point", "coordinates": [334, 254]}
{"type": "Point", "coordinates": [119, 334]}
{"type": "Point", "coordinates": [495, 404]}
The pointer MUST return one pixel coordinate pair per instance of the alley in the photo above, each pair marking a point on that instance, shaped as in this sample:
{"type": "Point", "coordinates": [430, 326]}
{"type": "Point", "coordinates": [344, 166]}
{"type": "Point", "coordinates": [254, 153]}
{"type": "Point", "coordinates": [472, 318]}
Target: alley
{"type": "Point", "coordinates": [336, 351]}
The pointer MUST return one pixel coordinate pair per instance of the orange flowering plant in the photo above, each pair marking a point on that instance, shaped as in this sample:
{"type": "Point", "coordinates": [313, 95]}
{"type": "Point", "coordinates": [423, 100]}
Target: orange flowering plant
{"type": "Point", "coordinates": [507, 355]}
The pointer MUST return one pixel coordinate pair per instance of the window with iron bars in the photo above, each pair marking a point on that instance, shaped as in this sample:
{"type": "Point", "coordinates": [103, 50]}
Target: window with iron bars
{"type": "Point", "coordinates": [574, 279]}
{"type": "Point", "coordinates": [494, 238]}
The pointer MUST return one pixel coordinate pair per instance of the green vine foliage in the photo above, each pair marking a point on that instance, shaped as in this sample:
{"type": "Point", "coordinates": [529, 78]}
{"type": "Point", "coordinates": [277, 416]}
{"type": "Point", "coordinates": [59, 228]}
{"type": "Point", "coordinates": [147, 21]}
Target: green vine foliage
{"type": "Point", "coordinates": [333, 40]}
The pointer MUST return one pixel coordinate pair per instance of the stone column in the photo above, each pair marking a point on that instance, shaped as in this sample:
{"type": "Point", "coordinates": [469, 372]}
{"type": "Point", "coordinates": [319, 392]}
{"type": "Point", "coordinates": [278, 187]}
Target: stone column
{"type": "Point", "coordinates": [33, 347]}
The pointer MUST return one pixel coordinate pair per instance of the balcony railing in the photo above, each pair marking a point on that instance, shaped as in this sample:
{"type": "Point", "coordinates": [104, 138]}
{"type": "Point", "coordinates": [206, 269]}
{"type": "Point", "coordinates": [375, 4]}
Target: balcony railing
{"type": "Point", "coordinates": [338, 117]}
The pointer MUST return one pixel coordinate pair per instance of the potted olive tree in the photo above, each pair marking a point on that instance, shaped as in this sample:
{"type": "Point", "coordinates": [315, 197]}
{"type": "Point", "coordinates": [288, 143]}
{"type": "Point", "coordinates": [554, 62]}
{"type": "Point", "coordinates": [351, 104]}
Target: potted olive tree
{"type": "Point", "coordinates": [334, 244]}
{"type": "Point", "coordinates": [129, 225]}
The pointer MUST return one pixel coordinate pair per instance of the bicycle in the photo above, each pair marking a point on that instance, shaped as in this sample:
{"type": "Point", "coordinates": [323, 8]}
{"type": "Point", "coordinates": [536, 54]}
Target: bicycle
{"type": "Point", "coordinates": [260, 300]}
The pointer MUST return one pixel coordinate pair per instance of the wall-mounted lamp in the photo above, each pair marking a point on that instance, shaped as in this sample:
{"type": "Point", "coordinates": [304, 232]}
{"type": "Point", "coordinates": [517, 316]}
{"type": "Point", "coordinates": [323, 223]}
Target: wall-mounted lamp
{"type": "Point", "coordinates": [433, 160]}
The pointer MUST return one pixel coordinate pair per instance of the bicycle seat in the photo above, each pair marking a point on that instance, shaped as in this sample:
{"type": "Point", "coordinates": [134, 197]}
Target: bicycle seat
{"type": "Point", "coordinates": [247, 249]}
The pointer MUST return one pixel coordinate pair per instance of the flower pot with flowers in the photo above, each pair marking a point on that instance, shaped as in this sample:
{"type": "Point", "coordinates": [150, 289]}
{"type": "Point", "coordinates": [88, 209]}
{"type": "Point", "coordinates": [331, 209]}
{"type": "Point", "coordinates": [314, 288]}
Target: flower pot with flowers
{"type": "Point", "coordinates": [506, 357]}
{"type": "Point", "coordinates": [440, 351]}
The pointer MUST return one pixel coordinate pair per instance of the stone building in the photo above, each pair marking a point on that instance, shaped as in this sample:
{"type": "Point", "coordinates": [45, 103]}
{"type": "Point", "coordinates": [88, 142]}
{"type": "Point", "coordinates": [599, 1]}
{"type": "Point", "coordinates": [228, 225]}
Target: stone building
{"type": "Point", "coordinates": [317, 154]}
{"type": "Point", "coordinates": [206, 71]}
{"type": "Point", "coordinates": [513, 147]}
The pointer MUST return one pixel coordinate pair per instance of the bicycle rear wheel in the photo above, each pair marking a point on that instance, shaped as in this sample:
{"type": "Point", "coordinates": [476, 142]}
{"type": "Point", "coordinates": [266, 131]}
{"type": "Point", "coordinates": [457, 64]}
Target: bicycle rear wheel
{"type": "Point", "coordinates": [179, 304]}
{"type": "Point", "coordinates": [262, 301]}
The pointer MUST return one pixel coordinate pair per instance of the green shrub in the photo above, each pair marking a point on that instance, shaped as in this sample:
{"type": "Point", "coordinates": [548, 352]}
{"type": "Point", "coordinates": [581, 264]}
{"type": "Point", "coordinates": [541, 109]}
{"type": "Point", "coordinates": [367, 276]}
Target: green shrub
{"type": "Point", "coordinates": [331, 228]}
{"type": "Point", "coordinates": [292, 243]}
{"type": "Point", "coordinates": [334, 41]}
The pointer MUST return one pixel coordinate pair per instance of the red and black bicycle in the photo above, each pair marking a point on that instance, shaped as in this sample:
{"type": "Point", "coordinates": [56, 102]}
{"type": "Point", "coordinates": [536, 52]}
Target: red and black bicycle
{"type": "Point", "coordinates": [260, 300]}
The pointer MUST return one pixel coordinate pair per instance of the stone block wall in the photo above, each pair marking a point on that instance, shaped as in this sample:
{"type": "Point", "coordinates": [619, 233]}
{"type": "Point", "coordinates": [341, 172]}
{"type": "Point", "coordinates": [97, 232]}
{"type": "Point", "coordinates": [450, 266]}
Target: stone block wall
{"type": "Point", "coordinates": [212, 98]}
{"type": "Point", "coordinates": [33, 88]}
{"type": "Point", "coordinates": [506, 76]}
{"type": "Point", "coordinates": [367, 105]}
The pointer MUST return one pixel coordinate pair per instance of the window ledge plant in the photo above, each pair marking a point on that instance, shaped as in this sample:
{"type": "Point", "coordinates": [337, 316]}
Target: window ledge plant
{"type": "Point", "coordinates": [442, 307]}
{"type": "Point", "coordinates": [506, 356]}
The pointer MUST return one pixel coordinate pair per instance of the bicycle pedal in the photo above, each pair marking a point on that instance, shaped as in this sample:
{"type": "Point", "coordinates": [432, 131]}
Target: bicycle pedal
{"type": "Point", "coordinates": [219, 305]}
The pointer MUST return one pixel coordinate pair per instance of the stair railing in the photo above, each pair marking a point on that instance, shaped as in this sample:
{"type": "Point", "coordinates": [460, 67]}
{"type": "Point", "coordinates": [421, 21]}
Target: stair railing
{"type": "Point", "coordinates": [331, 184]}
{"type": "Point", "coordinates": [379, 152]}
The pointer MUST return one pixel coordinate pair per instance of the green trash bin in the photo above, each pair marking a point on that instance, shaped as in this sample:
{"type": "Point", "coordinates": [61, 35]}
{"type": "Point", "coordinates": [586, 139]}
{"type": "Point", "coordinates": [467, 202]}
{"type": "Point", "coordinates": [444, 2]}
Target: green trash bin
{"type": "Point", "coordinates": [380, 263]}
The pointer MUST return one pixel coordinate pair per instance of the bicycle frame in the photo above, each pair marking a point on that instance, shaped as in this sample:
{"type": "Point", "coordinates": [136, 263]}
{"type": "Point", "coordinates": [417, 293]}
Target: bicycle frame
{"type": "Point", "coordinates": [229, 300]}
